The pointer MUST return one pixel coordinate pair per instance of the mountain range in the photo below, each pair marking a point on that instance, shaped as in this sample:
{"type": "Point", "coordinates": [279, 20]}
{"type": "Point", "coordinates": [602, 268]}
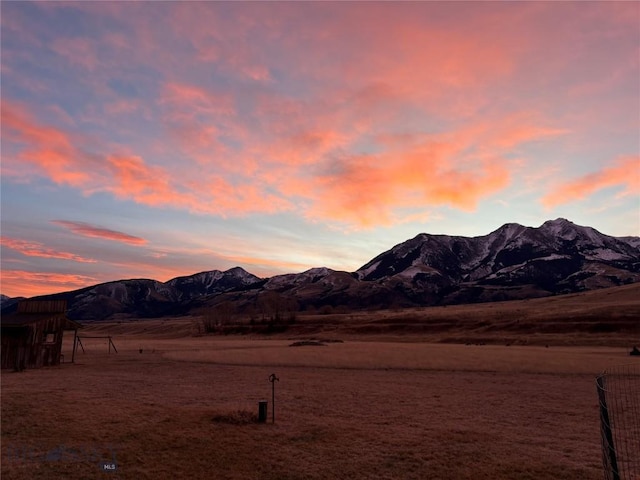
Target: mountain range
{"type": "Point", "coordinates": [513, 262]}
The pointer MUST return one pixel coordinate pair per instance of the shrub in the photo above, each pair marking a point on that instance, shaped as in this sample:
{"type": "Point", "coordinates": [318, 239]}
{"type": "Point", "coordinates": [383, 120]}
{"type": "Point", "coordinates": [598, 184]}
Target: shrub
{"type": "Point", "coordinates": [237, 417]}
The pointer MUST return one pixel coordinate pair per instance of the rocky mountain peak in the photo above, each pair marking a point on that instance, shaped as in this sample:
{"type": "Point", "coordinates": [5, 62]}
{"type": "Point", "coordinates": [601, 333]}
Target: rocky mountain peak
{"type": "Point", "coordinates": [512, 262]}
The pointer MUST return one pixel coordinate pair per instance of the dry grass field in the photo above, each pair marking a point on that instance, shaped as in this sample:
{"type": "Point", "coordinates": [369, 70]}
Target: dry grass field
{"type": "Point", "coordinates": [399, 404]}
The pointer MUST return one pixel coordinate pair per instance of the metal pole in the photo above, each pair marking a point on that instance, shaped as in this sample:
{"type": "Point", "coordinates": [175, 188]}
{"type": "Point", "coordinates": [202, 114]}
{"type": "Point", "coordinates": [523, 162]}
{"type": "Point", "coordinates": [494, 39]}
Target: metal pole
{"type": "Point", "coordinates": [273, 379]}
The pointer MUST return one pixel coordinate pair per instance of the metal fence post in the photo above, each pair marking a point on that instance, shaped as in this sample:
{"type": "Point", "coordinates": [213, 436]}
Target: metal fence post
{"type": "Point", "coordinates": [273, 379]}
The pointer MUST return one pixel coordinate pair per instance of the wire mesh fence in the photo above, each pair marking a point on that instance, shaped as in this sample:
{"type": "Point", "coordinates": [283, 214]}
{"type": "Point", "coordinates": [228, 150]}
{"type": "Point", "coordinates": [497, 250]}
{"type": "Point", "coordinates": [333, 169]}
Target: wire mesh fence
{"type": "Point", "coordinates": [619, 395]}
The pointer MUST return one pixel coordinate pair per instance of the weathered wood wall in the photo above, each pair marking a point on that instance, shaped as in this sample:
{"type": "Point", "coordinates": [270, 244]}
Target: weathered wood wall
{"type": "Point", "coordinates": [14, 346]}
{"type": "Point", "coordinates": [42, 306]}
{"type": "Point", "coordinates": [26, 346]}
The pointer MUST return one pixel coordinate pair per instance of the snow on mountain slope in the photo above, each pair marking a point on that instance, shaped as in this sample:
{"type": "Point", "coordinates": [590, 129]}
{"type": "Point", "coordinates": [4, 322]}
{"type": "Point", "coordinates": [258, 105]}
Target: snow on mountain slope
{"type": "Point", "coordinates": [290, 280]}
{"type": "Point", "coordinates": [512, 250]}
{"type": "Point", "coordinates": [211, 282]}
{"type": "Point", "coordinates": [512, 262]}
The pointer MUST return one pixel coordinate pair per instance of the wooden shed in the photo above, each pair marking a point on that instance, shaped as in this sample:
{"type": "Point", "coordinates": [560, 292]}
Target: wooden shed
{"type": "Point", "coordinates": [32, 336]}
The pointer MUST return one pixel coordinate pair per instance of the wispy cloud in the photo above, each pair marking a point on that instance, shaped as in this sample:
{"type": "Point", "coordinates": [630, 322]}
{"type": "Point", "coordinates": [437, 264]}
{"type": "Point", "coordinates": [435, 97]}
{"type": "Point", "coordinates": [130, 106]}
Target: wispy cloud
{"type": "Point", "coordinates": [36, 249]}
{"type": "Point", "coordinates": [264, 264]}
{"type": "Point", "coordinates": [24, 283]}
{"type": "Point", "coordinates": [320, 117]}
{"type": "Point", "coordinates": [52, 152]}
{"type": "Point", "coordinates": [265, 138]}
{"type": "Point", "coordinates": [624, 174]}
{"type": "Point", "coordinates": [77, 51]}
{"type": "Point", "coordinates": [88, 230]}
{"type": "Point", "coordinates": [456, 169]}
{"type": "Point", "coordinates": [49, 150]}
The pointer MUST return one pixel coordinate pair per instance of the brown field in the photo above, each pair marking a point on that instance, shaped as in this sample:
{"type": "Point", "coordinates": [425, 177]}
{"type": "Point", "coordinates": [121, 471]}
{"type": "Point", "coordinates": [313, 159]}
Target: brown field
{"type": "Point", "coordinates": [393, 405]}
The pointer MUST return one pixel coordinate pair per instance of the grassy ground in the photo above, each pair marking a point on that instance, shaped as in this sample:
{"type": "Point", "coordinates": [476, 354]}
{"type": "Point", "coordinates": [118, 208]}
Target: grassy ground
{"type": "Point", "coordinates": [356, 409]}
{"type": "Point", "coordinates": [401, 397]}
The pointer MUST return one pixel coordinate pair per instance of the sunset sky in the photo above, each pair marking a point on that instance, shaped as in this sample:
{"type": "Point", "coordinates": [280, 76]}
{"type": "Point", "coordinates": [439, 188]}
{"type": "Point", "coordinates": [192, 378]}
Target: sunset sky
{"type": "Point", "coordinates": [158, 139]}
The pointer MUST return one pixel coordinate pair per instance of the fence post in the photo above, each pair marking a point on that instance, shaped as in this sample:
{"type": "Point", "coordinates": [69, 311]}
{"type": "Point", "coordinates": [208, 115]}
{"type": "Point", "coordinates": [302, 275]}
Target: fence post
{"type": "Point", "coordinates": [75, 345]}
{"type": "Point", "coordinates": [609, 450]}
{"type": "Point", "coordinates": [273, 379]}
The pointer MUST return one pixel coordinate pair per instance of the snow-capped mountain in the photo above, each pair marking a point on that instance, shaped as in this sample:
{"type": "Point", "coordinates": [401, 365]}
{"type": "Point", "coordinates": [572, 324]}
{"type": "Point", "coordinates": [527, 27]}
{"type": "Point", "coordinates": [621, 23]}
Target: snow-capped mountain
{"type": "Point", "coordinates": [557, 257]}
{"type": "Point", "coordinates": [320, 287]}
{"type": "Point", "coordinates": [146, 298]}
{"type": "Point", "coordinates": [509, 247]}
{"type": "Point", "coordinates": [215, 281]}
{"type": "Point", "coordinates": [513, 262]}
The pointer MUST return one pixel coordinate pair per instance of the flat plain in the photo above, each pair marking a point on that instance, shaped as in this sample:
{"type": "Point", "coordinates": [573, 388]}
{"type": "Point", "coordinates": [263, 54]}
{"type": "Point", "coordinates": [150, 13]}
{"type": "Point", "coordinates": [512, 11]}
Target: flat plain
{"type": "Point", "coordinates": [399, 403]}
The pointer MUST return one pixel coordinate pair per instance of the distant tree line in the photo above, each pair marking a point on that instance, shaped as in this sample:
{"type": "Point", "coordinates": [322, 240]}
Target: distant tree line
{"type": "Point", "coordinates": [271, 313]}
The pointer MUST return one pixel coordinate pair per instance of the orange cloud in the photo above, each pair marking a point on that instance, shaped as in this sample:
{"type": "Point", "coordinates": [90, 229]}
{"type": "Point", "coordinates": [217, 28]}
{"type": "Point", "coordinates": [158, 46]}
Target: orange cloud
{"type": "Point", "coordinates": [457, 169]}
{"type": "Point", "coordinates": [54, 154]}
{"type": "Point", "coordinates": [36, 249]}
{"type": "Point", "coordinates": [264, 262]}
{"type": "Point", "coordinates": [198, 118]}
{"type": "Point", "coordinates": [359, 116]}
{"type": "Point", "coordinates": [515, 130]}
{"type": "Point", "coordinates": [625, 174]}
{"type": "Point", "coordinates": [49, 149]}
{"type": "Point", "coordinates": [210, 194]}
{"type": "Point", "coordinates": [305, 168]}
{"type": "Point", "coordinates": [88, 230]}
{"type": "Point", "coordinates": [133, 178]}
{"type": "Point", "coordinates": [23, 283]}
{"type": "Point", "coordinates": [365, 194]}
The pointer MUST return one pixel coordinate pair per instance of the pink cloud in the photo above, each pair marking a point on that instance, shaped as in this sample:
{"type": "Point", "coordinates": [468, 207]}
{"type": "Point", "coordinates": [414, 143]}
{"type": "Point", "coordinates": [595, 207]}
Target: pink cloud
{"type": "Point", "coordinates": [355, 118]}
{"type": "Point", "coordinates": [624, 174]}
{"type": "Point", "coordinates": [54, 153]}
{"type": "Point", "coordinates": [123, 107]}
{"type": "Point", "coordinates": [133, 178]}
{"type": "Point", "coordinates": [36, 249]}
{"type": "Point", "coordinates": [198, 119]}
{"type": "Point", "coordinates": [197, 99]}
{"type": "Point", "coordinates": [51, 150]}
{"type": "Point", "coordinates": [368, 191]}
{"type": "Point", "coordinates": [88, 230]}
{"type": "Point", "coordinates": [77, 51]}
{"type": "Point", "coordinates": [298, 155]}
{"type": "Point", "coordinates": [457, 169]}
{"type": "Point", "coordinates": [23, 283]}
